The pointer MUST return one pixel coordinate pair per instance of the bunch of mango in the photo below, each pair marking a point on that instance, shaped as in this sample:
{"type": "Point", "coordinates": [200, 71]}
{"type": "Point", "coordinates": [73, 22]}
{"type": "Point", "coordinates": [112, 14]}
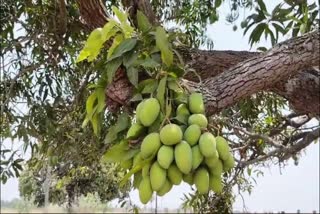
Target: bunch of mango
{"type": "Point", "coordinates": [176, 152]}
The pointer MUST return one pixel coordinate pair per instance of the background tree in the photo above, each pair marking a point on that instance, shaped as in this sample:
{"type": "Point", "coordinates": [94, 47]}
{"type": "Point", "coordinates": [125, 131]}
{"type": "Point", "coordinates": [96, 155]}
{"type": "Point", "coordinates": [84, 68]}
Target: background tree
{"type": "Point", "coordinates": [43, 92]}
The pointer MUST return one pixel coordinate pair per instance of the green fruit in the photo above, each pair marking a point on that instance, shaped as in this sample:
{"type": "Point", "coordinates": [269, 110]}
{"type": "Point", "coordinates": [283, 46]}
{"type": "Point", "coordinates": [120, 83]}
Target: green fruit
{"type": "Point", "coordinates": [135, 131]}
{"type": "Point", "coordinates": [149, 111]}
{"type": "Point", "coordinates": [138, 110]}
{"type": "Point", "coordinates": [212, 161]}
{"type": "Point", "coordinates": [216, 183]}
{"type": "Point", "coordinates": [150, 145]}
{"type": "Point", "coordinates": [198, 119]}
{"type": "Point", "coordinates": [174, 174]}
{"type": "Point", "coordinates": [183, 110]}
{"type": "Point", "coordinates": [165, 189]}
{"type": "Point", "coordinates": [146, 170]}
{"type": "Point", "coordinates": [183, 157]}
{"type": "Point", "coordinates": [171, 134]}
{"type": "Point", "coordinates": [217, 169]}
{"type": "Point", "coordinates": [127, 164]}
{"type": "Point", "coordinates": [188, 178]}
{"type": "Point", "coordinates": [145, 191]}
{"type": "Point", "coordinates": [207, 144]}
{"type": "Point", "coordinates": [137, 178]}
{"type": "Point", "coordinates": [165, 156]}
{"type": "Point", "coordinates": [222, 148]}
{"type": "Point", "coordinates": [201, 180]}
{"type": "Point", "coordinates": [196, 104]}
{"type": "Point", "coordinates": [192, 134]}
{"type": "Point", "coordinates": [197, 157]}
{"type": "Point", "coordinates": [229, 163]}
{"type": "Point", "coordinates": [157, 176]}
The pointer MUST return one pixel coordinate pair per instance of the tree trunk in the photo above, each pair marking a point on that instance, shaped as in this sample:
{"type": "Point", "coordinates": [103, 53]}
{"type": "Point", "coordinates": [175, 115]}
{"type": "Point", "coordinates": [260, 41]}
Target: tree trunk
{"type": "Point", "coordinates": [229, 76]}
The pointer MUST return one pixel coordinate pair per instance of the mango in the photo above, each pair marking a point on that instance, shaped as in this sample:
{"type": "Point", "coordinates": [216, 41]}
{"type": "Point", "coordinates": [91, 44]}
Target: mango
{"type": "Point", "coordinates": [127, 164]}
{"type": "Point", "coordinates": [150, 145]}
{"type": "Point", "coordinates": [137, 159]}
{"type": "Point", "coordinates": [174, 174]}
{"type": "Point", "coordinates": [192, 134]}
{"type": "Point", "coordinates": [197, 157]}
{"type": "Point", "coordinates": [216, 183]}
{"type": "Point", "coordinates": [212, 161]}
{"type": "Point", "coordinates": [207, 144]}
{"type": "Point", "coordinates": [149, 111]}
{"type": "Point", "coordinates": [188, 178]}
{"type": "Point", "coordinates": [165, 189]}
{"type": "Point", "coordinates": [183, 157]}
{"type": "Point", "coordinates": [222, 148]}
{"type": "Point", "coordinates": [157, 176]}
{"type": "Point", "coordinates": [146, 170]}
{"type": "Point", "coordinates": [196, 104]}
{"type": "Point", "coordinates": [137, 178]}
{"type": "Point", "coordinates": [155, 127]}
{"type": "Point", "coordinates": [145, 191]}
{"type": "Point", "coordinates": [229, 163]}
{"type": "Point", "coordinates": [171, 134]}
{"type": "Point", "coordinates": [135, 131]}
{"type": "Point", "coordinates": [217, 169]}
{"type": "Point", "coordinates": [198, 119]}
{"type": "Point", "coordinates": [183, 113]}
{"type": "Point", "coordinates": [138, 109]}
{"type": "Point", "coordinates": [201, 180]}
{"type": "Point", "coordinates": [165, 156]}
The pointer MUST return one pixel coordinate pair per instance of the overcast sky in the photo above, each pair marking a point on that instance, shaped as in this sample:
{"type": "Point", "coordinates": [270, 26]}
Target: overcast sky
{"type": "Point", "coordinates": [296, 187]}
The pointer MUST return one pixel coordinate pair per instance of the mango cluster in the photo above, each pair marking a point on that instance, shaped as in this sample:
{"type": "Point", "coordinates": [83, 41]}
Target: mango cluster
{"type": "Point", "coordinates": [177, 152]}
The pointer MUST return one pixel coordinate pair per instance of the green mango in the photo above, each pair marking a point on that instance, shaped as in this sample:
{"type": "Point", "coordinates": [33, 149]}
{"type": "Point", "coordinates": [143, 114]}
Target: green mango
{"type": "Point", "coordinates": [183, 113]}
{"type": "Point", "coordinates": [198, 119]}
{"type": "Point", "coordinates": [150, 145]}
{"type": "Point", "coordinates": [211, 162]}
{"type": "Point", "coordinates": [196, 105]}
{"type": "Point", "coordinates": [149, 111]}
{"type": "Point", "coordinates": [201, 180]}
{"type": "Point", "coordinates": [146, 170]}
{"type": "Point", "coordinates": [157, 176]}
{"type": "Point", "coordinates": [216, 183]}
{"type": "Point", "coordinates": [188, 178]}
{"type": "Point", "coordinates": [137, 178]}
{"type": "Point", "coordinates": [145, 190]}
{"type": "Point", "coordinates": [171, 134]}
{"type": "Point", "coordinates": [197, 157]}
{"type": "Point", "coordinates": [174, 174]}
{"type": "Point", "coordinates": [207, 144]}
{"type": "Point", "coordinates": [192, 134]}
{"type": "Point", "coordinates": [165, 189]}
{"type": "Point", "coordinates": [138, 109]}
{"type": "Point", "coordinates": [222, 148]}
{"type": "Point", "coordinates": [135, 131]}
{"type": "Point", "coordinates": [183, 157]}
{"type": "Point", "coordinates": [217, 168]}
{"type": "Point", "coordinates": [229, 163]}
{"type": "Point", "coordinates": [165, 156]}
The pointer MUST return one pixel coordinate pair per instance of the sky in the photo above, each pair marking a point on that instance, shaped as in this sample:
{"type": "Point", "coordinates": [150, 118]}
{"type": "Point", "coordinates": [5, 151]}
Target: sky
{"type": "Point", "coordinates": [294, 188]}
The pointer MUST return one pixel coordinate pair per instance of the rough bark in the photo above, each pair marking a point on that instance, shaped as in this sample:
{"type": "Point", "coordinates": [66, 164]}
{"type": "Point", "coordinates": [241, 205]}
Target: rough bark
{"type": "Point", "coordinates": [228, 76]}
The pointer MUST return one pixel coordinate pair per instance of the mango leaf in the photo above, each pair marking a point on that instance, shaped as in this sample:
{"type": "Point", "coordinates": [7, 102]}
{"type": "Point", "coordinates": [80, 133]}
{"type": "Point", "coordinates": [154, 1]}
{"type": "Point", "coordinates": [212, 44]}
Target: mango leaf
{"type": "Point", "coordinates": [150, 63]}
{"type": "Point", "coordinates": [135, 169]}
{"type": "Point", "coordinates": [101, 99]}
{"type": "Point", "coordinates": [95, 123]}
{"type": "Point", "coordinates": [143, 22]}
{"type": "Point", "coordinates": [149, 86]}
{"type": "Point", "coordinates": [163, 44]}
{"type": "Point", "coordinates": [125, 46]}
{"type": "Point", "coordinates": [116, 41]}
{"type": "Point", "coordinates": [122, 123]}
{"type": "Point", "coordinates": [90, 104]}
{"type": "Point", "coordinates": [174, 86]}
{"type": "Point", "coordinates": [133, 75]}
{"type": "Point", "coordinates": [119, 152]}
{"type": "Point", "coordinates": [136, 97]}
{"type": "Point", "coordinates": [112, 67]}
{"type": "Point", "coordinates": [109, 30]}
{"type": "Point", "coordinates": [92, 47]}
{"type": "Point", "coordinates": [122, 16]}
{"type": "Point", "coordinates": [161, 92]}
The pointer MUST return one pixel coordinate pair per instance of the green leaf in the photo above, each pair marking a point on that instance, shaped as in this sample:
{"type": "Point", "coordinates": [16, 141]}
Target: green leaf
{"type": "Point", "coordinates": [119, 152]}
{"type": "Point", "coordinates": [125, 46]}
{"type": "Point", "coordinates": [109, 30]}
{"type": "Point", "coordinates": [174, 86]}
{"type": "Point", "coordinates": [161, 92]}
{"type": "Point", "coordinates": [217, 3]}
{"type": "Point", "coordinates": [143, 22]}
{"type": "Point", "coordinates": [122, 16]}
{"type": "Point", "coordinates": [136, 97]}
{"type": "Point", "coordinates": [149, 63]}
{"type": "Point", "coordinates": [135, 169]}
{"type": "Point", "coordinates": [130, 58]}
{"type": "Point", "coordinates": [95, 123]}
{"type": "Point", "coordinates": [90, 104]}
{"type": "Point", "coordinates": [163, 44]}
{"type": "Point", "coordinates": [256, 33]}
{"type": "Point", "coordinates": [112, 67]}
{"type": "Point", "coordinates": [133, 76]}
{"type": "Point", "coordinates": [122, 123]}
{"type": "Point", "coordinates": [101, 99]}
{"type": "Point", "coordinates": [116, 41]}
{"type": "Point", "coordinates": [148, 86]}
